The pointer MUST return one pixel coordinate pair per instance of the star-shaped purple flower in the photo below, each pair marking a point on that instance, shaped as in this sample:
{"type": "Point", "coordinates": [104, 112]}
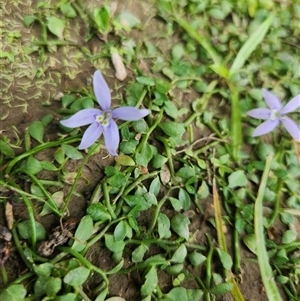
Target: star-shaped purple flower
{"type": "Point", "coordinates": [102, 121]}
{"type": "Point", "coordinates": [276, 114]}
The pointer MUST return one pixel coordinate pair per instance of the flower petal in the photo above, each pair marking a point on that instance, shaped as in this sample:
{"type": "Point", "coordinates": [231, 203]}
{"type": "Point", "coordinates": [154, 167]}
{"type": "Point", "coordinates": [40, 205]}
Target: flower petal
{"type": "Point", "coordinates": [292, 127]}
{"type": "Point", "coordinates": [291, 106]}
{"type": "Point", "coordinates": [129, 113]}
{"type": "Point", "coordinates": [266, 127]}
{"type": "Point", "coordinates": [81, 118]}
{"type": "Point", "coordinates": [112, 138]}
{"type": "Point", "coordinates": [262, 113]}
{"type": "Point", "coordinates": [101, 91]}
{"type": "Point", "coordinates": [271, 100]}
{"type": "Point", "coordinates": [90, 136]}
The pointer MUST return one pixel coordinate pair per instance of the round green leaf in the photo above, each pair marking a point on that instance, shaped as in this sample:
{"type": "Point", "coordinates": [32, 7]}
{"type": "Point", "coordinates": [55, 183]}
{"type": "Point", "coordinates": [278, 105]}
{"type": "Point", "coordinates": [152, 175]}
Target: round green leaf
{"type": "Point", "coordinates": [125, 160]}
{"type": "Point", "coordinates": [16, 292]}
{"type": "Point", "coordinates": [237, 179]}
{"type": "Point", "coordinates": [56, 26]}
{"type": "Point", "coordinates": [83, 233]}
{"type": "Point", "coordinates": [77, 276]}
{"type": "Point", "coordinates": [24, 229]}
{"type": "Point", "coordinates": [36, 131]}
{"type": "Point", "coordinates": [68, 10]}
{"type": "Point", "coordinates": [33, 165]}
{"type": "Point", "coordinates": [180, 224]}
{"type": "Point", "coordinates": [172, 128]}
{"type": "Point", "coordinates": [71, 152]}
{"type": "Point", "coordinates": [6, 150]}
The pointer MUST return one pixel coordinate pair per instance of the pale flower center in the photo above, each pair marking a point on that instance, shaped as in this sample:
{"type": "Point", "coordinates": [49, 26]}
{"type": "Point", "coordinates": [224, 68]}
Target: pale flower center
{"type": "Point", "coordinates": [274, 115]}
{"type": "Point", "coordinates": [103, 119]}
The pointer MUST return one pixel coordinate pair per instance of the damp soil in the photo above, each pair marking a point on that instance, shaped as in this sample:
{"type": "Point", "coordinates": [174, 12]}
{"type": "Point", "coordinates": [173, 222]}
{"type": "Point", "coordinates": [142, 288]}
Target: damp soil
{"type": "Point", "coordinates": [28, 98]}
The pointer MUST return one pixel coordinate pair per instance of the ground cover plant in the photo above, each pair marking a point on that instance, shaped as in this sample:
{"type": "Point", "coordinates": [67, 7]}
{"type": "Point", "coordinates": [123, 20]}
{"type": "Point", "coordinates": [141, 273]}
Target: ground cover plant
{"type": "Point", "coordinates": [149, 150]}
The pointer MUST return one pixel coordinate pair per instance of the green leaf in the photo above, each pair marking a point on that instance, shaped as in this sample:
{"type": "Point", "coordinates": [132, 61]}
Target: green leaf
{"type": "Point", "coordinates": [56, 26]}
{"type": "Point", "coordinates": [176, 294]}
{"type": "Point", "coordinates": [118, 180]}
{"type": "Point", "coordinates": [225, 259]}
{"type": "Point", "coordinates": [125, 160]}
{"type": "Point", "coordinates": [179, 255]}
{"type": "Point", "coordinates": [145, 81]}
{"type": "Point", "coordinates": [171, 128]}
{"type": "Point", "coordinates": [77, 276]}
{"type": "Point", "coordinates": [33, 165]}
{"type": "Point", "coordinates": [6, 150]}
{"type": "Point", "coordinates": [120, 231]}
{"type": "Point", "coordinates": [237, 179]}
{"type": "Point", "coordinates": [112, 245]}
{"type": "Point", "coordinates": [71, 152]}
{"type": "Point", "coordinates": [196, 258]}
{"type": "Point", "coordinates": [158, 161]}
{"type": "Point", "coordinates": [28, 20]}
{"type": "Point", "coordinates": [67, 100]}
{"type": "Point", "coordinates": [288, 237]}
{"type": "Point", "coordinates": [66, 297]}
{"type": "Point", "coordinates": [47, 285]}
{"type": "Point", "coordinates": [47, 119]}
{"type": "Point", "coordinates": [163, 225]}
{"type": "Point", "coordinates": [36, 131]}
{"type": "Point", "coordinates": [155, 186]}
{"type": "Point", "coordinates": [203, 191]}
{"type": "Point", "coordinates": [43, 269]}
{"type": "Point", "coordinates": [102, 18]}
{"type": "Point", "coordinates": [24, 229]}
{"type": "Point", "coordinates": [180, 224]}
{"type": "Point", "coordinates": [186, 172]}
{"type": "Point", "coordinates": [16, 292]}
{"type": "Point", "coordinates": [140, 126]}
{"type": "Point", "coordinates": [254, 40]}
{"type": "Point", "coordinates": [138, 253]}
{"type": "Point", "coordinates": [83, 233]}
{"type": "Point", "coordinates": [48, 166]}
{"type": "Point", "coordinates": [220, 70]}
{"type": "Point", "coordinates": [102, 295]}
{"type": "Point", "coordinates": [184, 199]}
{"type": "Point", "coordinates": [221, 289]}
{"type": "Point", "coordinates": [68, 10]}
{"type": "Point", "coordinates": [59, 155]}
{"type": "Point", "coordinates": [128, 20]}
{"type": "Point", "coordinates": [98, 212]}
{"type": "Point", "coordinates": [150, 283]}
{"type": "Point", "coordinates": [171, 109]}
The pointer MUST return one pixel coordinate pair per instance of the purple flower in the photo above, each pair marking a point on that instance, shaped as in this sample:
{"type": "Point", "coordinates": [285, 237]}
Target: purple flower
{"type": "Point", "coordinates": [102, 121]}
{"type": "Point", "coordinates": [275, 115]}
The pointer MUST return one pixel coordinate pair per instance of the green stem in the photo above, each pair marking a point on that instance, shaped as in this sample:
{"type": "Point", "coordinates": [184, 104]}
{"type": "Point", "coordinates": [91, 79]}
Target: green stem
{"type": "Point", "coordinates": [82, 293]}
{"type": "Point", "coordinates": [38, 149]}
{"type": "Point", "coordinates": [276, 208]}
{"type": "Point", "coordinates": [237, 255]}
{"type": "Point", "coordinates": [20, 249]}
{"type": "Point", "coordinates": [30, 214]}
{"type": "Point", "coordinates": [107, 201]}
{"type": "Point", "coordinates": [262, 254]}
{"type": "Point", "coordinates": [168, 153]}
{"type": "Point", "coordinates": [3, 275]}
{"type": "Point", "coordinates": [157, 210]}
{"type": "Point", "coordinates": [84, 261]}
{"type": "Point", "coordinates": [36, 181]}
{"type": "Point", "coordinates": [78, 175]}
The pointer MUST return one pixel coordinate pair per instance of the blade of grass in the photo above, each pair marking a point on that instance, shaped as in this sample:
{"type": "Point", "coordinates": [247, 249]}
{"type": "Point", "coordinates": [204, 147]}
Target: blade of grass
{"type": "Point", "coordinates": [261, 251]}
{"type": "Point", "coordinates": [236, 293]}
{"type": "Point", "coordinates": [250, 45]}
{"type": "Point", "coordinates": [236, 122]}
